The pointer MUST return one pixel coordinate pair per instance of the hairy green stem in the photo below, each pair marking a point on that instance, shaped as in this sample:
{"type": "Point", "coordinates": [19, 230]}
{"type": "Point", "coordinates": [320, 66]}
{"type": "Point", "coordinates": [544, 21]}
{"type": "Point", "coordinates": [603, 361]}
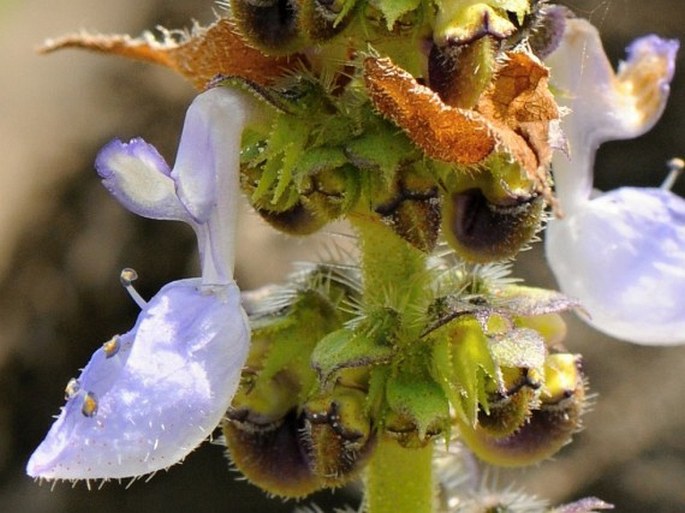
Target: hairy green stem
{"type": "Point", "coordinates": [394, 272]}
{"type": "Point", "coordinates": [399, 480]}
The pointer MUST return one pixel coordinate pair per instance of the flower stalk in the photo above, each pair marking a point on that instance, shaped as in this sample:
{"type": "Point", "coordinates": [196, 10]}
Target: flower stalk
{"type": "Point", "coordinates": [400, 480]}
{"type": "Point", "coordinates": [388, 264]}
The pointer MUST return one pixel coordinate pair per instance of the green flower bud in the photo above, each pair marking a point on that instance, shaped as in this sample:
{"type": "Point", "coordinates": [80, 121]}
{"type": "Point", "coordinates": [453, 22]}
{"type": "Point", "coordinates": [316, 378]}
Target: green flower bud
{"type": "Point", "coordinates": [463, 22]}
{"type": "Point", "coordinates": [337, 435]}
{"type": "Point", "coordinates": [323, 447]}
{"type": "Point", "coordinates": [265, 401]}
{"type": "Point", "coordinates": [279, 438]}
{"type": "Point", "coordinates": [460, 73]}
{"type": "Point", "coordinates": [297, 220]}
{"type": "Point", "coordinates": [508, 410]}
{"type": "Point", "coordinates": [325, 187]}
{"type": "Point", "coordinates": [289, 214]}
{"type": "Point", "coordinates": [414, 217]}
{"type": "Point", "coordinates": [411, 208]}
{"type": "Point", "coordinates": [331, 192]}
{"type": "Point", "coordinates": [548, 428]}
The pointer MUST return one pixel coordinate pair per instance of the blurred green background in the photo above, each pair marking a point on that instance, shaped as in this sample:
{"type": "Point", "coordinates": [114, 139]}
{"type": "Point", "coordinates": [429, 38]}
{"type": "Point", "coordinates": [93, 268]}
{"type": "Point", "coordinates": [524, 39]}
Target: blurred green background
{"type": "Point", "coordinates": [63, 241]}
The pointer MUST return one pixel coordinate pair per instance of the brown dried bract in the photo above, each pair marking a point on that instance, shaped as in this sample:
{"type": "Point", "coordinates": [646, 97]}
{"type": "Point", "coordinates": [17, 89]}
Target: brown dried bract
{"type": "Point", "coordinates": [443, 132]}
{"type": "Point", "coordinates": [520, 98]}
{"type": "Point", "coordinates": [199, 56]}
{"type": "Point", "coordinates": [512, 117]}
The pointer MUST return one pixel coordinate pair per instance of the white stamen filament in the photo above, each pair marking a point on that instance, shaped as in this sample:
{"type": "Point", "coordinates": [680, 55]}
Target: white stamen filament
{"type": "Point", "coordinates": [675, 169]}
{"type": "Point", "coordinates": [127, 277]}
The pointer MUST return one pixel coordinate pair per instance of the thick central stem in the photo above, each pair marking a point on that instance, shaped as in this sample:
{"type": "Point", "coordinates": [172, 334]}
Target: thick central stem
{"type": "Point", "coordinates": [393, 271]}
{"type": "Point", "coordinates": [399, 480]}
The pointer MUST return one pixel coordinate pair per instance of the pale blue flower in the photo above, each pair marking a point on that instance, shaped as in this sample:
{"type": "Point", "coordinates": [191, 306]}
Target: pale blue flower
{"type": "Point", "coordinates": [621, 253]}
{"type": "Point", "coordinates": [149, 397]}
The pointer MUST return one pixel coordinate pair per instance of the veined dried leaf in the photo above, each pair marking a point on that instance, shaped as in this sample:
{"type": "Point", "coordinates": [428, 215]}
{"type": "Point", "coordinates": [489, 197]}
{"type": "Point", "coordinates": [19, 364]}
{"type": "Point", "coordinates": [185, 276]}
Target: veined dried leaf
{"type": "Point", "coordinates": [520, 98]}
{"type": "Point", "coordinates": [445, 133]}
{"type": "Point", "coordinates": [520, 92]}
{"type": "Point", "coordinates": [199, 56]}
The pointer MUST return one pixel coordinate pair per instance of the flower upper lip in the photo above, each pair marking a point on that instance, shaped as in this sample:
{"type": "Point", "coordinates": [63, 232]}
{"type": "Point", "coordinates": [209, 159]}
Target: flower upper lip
{"type": "Point", "coordinates": [621, 253]}
{"type": "Point", "coordinates": [604, 104]}
{"type": "Point", "coordinates": [201, 189]}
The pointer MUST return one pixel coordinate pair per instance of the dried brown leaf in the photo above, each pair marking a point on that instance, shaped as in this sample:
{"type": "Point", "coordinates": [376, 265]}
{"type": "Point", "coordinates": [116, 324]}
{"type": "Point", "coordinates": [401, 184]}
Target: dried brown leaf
{"type": "Point", "coordinates": [520, 98]}
{"type": "Point", "coordinates": [587, 505]}
{"type": "Point", "coordinates": [520, 92]}
{"type": "Point", "coordinates": [442, 132]}
{"type": "Point", "coordinates": [199, 56]}
{"type": "Point", "coordinates": [445, 133]}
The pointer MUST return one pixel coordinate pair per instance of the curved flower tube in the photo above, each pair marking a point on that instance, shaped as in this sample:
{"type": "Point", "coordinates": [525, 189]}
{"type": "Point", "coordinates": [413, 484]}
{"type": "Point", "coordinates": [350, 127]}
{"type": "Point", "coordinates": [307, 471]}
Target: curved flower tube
{"type": "Point", "coordinates": [149, 397]}
{"type": "Point", "coordinates": [622, 253]}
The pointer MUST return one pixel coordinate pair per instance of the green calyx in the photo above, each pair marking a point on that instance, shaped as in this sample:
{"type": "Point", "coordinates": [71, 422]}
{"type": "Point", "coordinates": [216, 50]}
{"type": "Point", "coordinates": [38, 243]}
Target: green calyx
{"type": "Point", "coordinates": [462, 21]}
{"type": "Point", "coordinates": [403, 348]}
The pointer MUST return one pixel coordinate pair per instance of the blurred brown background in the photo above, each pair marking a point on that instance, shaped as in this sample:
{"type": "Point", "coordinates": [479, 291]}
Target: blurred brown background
{"type": "Point", "coordinates": [63, 241]}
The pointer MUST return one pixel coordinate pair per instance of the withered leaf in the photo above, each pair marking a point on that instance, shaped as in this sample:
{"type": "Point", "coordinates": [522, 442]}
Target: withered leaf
{"type": "Point", "coordinates": [199, 56]}
{"type": "Point", "coordinates": [443, 132]}
{"type": "Point", "coordinates": [586, 505]}
{"type": "Point", "coordinates": [520, 98]}
{"type": "Point", "coordinates": [512, 117]}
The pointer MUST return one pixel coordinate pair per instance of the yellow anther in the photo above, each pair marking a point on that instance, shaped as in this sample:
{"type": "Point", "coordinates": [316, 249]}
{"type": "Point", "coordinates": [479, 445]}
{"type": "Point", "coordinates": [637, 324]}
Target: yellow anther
{"type": "Point", "coordinates": [90, 405]}
{"type": "Point", "coordinates": [677, 164]}
{"type": "Point", "coordinates": [71, 389]}
{"type": "Point", "coordinates": [111, 347]}
{"type": "Point", "coordinates": [128, 276]}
